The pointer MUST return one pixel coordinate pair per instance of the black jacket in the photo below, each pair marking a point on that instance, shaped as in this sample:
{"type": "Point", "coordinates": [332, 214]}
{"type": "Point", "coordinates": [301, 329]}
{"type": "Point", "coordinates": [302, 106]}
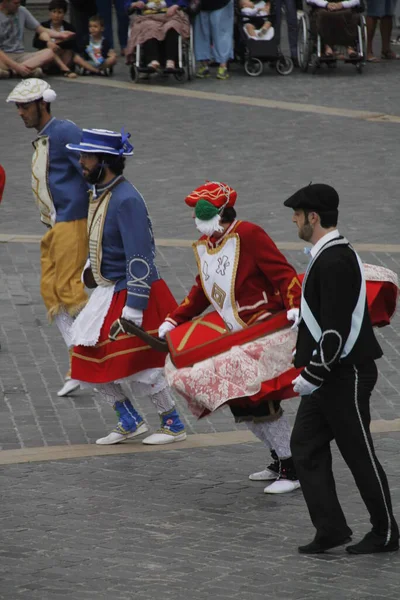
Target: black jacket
{"type": "Point", "coordinates": [71, 44]}
{"type": "Point", "coordinates": [331, 289]}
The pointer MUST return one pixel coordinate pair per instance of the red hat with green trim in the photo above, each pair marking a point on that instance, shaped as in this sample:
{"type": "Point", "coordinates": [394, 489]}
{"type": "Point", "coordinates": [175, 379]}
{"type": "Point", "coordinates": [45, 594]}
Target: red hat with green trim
{"type": "Point", "coordinates": [208, 201]}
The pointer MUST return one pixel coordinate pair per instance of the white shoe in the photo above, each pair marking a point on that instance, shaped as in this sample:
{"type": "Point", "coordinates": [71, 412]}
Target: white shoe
{"type": "Point", "coordinates": [282, 486]}
{"type": "Point", "coordinates": [266, 475]}
{"type": "Point", "coordinates": [160, 437]}
{"type": "Point", "coordinates": [115, 437]}
{"type": "Point", "coordinates": [69, 386]}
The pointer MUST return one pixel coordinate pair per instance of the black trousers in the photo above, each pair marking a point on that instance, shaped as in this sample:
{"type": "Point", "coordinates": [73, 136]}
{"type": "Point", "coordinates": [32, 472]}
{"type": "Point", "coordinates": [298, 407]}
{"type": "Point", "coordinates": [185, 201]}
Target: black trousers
{"type": "Point", "coordinates": [340, 411]}
{"type": "Point", "coordinates": [162, 51]}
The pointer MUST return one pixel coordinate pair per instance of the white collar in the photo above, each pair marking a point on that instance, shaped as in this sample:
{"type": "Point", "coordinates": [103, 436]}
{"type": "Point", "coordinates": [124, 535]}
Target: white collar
{"type": "Point", "coordinates": [221, 239]}
{"type": "Point", "coordinates": [324, 240]}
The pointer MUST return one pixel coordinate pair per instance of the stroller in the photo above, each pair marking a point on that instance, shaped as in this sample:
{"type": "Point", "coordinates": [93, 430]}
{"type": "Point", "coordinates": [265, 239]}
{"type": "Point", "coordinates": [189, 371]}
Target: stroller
{"type": "Point", "coordinates": [253, 52]}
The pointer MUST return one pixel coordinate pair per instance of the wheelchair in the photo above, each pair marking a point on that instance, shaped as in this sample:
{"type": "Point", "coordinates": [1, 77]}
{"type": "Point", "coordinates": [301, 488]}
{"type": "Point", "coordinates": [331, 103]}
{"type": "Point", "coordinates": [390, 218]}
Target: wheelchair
{"type": "Point", "coordinates": [310, 54]}
{"type": "Point", "coordinates": [185, 68]}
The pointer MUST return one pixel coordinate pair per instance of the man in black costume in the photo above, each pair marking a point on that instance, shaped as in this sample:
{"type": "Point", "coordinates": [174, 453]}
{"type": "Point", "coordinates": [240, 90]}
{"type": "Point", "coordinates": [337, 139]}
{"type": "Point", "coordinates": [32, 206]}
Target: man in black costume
{"type": "Point", "coordinates": [337, 347]}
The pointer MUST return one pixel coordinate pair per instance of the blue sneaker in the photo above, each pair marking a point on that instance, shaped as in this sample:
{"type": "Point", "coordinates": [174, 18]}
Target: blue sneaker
{"type": "Point", "coordinates": [130, 424]}
{"type": "Point", "coordinates": [172, 430]}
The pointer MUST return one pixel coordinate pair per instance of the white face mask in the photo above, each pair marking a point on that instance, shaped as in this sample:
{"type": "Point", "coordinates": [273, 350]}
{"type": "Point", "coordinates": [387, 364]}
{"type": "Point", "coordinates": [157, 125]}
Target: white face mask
{"type": "Point", "coordinates": [209, 227]}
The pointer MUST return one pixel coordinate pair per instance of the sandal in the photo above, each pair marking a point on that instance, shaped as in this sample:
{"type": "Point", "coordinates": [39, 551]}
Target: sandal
{"type": "Point", "coordinates": [390, 55]}
{"type": "Point", "coordinates": [373, 59]}
{"type": "Point", "coordinates": [70, 74]}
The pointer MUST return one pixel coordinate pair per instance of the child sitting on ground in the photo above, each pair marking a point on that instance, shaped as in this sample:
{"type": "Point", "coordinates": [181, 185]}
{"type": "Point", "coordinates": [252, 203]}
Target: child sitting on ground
{"type": "Point", "coordinates": [257, 25]}
{"type": "Point", "coordinates": [64, 51]}
{"type": "Point", "coordinates": [96, 57]}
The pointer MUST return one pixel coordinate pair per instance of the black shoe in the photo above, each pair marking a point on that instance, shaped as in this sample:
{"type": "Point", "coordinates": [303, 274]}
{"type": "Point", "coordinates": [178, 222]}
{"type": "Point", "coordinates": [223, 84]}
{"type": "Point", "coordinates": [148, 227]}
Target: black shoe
{"type": "Point", "coordinates": [323, 544]}
{"type": "Point", "coordinates": [372, 543]}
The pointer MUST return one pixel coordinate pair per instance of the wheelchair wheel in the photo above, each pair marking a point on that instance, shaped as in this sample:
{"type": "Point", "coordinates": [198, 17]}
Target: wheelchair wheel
{"type": "Point", "coordinates": [253, 67]}
{"type": "Point", "coordinates": [135, 75]}
{"type": "Point", "coordinates": [284, 65]}
{"type": "Point", "coordinates": [303, 42]}
{"type": "Point", "coordinates": [315, 64]}
{"type": "Point", "coordinates": [363, 25]}
{"type": "Point", "coordinates": [183, 75]}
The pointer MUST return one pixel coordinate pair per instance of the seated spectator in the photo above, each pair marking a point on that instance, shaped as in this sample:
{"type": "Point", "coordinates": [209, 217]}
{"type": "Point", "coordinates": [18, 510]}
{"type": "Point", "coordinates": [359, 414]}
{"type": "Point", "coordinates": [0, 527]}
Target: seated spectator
{"type": "Point", "coordinates": [213, 36]}
{"type": "Point", "coordinates": [64, 51]}
{"type": "Point", "coordinates": [14, 18]}
{"type": "Point", "coordinates": [96, 56]}
{"type": "Point", "coordinates": [157, 30]}
{"type": "Point", "coordinates": [255, 19]}
{"type": "Point", "coordinates": [336, 23]}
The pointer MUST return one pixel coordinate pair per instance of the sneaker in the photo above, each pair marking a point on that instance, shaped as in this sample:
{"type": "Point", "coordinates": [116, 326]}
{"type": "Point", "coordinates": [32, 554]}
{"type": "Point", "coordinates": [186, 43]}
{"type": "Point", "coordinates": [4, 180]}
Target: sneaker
{"type": "Point", "coordinates": [119, 434]}
{"type": "Point", "coordinates": [287, 479]}
{"type": "Point", "coordinates": [266, 475]}
{"type": "Point", "coordinates": [222, 73]}
{"type": "Point", "coordinates": [130, 424]}
{"type": "Point", "coordinates": [172, 430]}
{"type": "Point", "coordinates": [203, 72]}
{"type": "Point", "coordinates": [270, 473]}
{"type": "Point", "coordinates": [69, 386]}
{"type": "Point", "coordinates": [282, 486]}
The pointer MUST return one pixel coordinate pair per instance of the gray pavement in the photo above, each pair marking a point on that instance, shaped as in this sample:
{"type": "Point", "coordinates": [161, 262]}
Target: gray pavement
{"type": "Point", "coordinates": [138, 526]}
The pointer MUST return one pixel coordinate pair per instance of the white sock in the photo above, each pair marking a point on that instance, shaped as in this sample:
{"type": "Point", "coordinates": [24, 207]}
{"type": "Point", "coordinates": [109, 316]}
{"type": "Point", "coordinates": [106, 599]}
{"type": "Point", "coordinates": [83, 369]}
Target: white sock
{"type": "Point", "coordinates": [278, 434]}
{"type": "Point", "coordinates": [64, 322]}
{"type": "Point", "coordinates": [163, 400]}
{"type": "Point", "coordinates": [111, 392]}
{"type": "Point", "coordinates": [258, 430]}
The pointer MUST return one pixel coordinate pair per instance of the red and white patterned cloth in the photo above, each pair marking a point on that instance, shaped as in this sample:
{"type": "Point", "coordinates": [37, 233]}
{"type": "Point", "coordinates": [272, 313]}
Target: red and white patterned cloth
{"type": "Point", "coordinates": [262, 368]}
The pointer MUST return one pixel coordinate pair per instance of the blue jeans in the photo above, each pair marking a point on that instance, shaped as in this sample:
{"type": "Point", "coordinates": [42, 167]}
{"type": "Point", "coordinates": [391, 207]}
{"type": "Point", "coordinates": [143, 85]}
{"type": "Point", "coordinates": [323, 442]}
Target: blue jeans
{"type": "Point", "coordinates": [291, 19]}
{"type": "Point", "coordinates": [214, 27]}
{"type": "Point", "coordinates": [104, 8]}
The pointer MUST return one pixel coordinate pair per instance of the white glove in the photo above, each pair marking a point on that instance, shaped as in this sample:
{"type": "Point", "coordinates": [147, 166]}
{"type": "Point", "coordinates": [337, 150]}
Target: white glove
{"type": "Point", "coordinates": [133, 314]}
{"type": "Point", "coordinates": [303, 387]}
{"type": "Point", "coordinates": [293, 315]}
{"type": "Point", "coordinates": [164, 328]}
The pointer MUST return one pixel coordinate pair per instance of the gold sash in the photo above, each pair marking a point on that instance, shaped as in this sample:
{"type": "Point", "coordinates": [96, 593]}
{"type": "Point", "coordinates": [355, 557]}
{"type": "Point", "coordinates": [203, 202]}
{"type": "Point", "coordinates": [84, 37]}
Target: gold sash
{"type": "Point", "coordinates": [96, 218]}
{"type": "Point", "coordinates": [40, 181]}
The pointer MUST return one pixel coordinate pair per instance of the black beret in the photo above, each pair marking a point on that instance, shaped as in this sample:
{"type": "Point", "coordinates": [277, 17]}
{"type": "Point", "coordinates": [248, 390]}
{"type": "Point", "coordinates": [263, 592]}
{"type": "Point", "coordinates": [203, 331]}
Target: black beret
{"type": "Point", "coordinates": [316, 196]}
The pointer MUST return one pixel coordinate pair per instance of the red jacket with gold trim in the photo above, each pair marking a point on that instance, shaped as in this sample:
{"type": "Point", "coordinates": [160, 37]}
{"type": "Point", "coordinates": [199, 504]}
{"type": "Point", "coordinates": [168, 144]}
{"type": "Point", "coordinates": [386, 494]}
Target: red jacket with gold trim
{"type": "Point", "coordinates": [265, 281]}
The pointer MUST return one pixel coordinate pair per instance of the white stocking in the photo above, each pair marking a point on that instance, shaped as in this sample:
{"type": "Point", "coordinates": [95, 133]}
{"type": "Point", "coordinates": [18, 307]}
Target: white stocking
{"type": "Point", "coordinates": [163, 400]}
{"type": "Point", "coordinates": [111, 392]}
{"type": "Point", "coordinates": [64, 322]}
{"type": "Point", "coordinates": [278, 434]}
{"type": "Point", "coordinates": [258, 430]}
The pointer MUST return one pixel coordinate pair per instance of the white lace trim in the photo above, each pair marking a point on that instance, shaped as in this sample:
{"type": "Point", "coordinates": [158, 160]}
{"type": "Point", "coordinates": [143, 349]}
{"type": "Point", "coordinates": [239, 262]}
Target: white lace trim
{"type": "Point", "coordinates": [87, 326]}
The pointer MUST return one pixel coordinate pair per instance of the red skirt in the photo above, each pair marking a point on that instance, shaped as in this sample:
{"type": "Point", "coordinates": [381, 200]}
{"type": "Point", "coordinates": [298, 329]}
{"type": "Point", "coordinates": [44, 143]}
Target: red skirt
{"type": "Point", "coordinates": [111, 360]}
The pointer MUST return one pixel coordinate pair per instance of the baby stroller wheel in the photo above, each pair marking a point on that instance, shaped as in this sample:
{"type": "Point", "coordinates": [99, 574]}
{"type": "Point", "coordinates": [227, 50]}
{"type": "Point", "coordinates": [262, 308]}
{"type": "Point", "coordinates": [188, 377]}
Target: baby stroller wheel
{"type": "Point", "coordinates": [253, 67]}
{"type": "Point", "coordinates": [284, 65]}
{"type": "Point", "coordinates": [359, 67]}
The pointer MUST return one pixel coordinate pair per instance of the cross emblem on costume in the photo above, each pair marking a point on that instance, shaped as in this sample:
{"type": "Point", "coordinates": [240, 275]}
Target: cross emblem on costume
{"type": "Point", "coordinates": [223, 264]}
{"type": "Point", "coordinates": [205, 271]}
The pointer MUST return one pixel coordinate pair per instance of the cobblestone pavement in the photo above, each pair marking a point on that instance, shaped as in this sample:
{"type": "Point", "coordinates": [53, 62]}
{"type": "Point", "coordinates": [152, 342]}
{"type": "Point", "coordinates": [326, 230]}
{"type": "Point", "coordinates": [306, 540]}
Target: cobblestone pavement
{"type": "Point", "coordinates": [81, 529]}
{"type": "Point", "coordinates": [181, 525]}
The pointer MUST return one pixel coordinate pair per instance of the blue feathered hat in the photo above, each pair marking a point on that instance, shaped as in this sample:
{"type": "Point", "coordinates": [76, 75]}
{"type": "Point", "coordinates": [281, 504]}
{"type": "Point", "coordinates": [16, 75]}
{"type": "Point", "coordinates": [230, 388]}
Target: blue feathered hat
{"type": "Point", "coordinates": [102, 141]}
